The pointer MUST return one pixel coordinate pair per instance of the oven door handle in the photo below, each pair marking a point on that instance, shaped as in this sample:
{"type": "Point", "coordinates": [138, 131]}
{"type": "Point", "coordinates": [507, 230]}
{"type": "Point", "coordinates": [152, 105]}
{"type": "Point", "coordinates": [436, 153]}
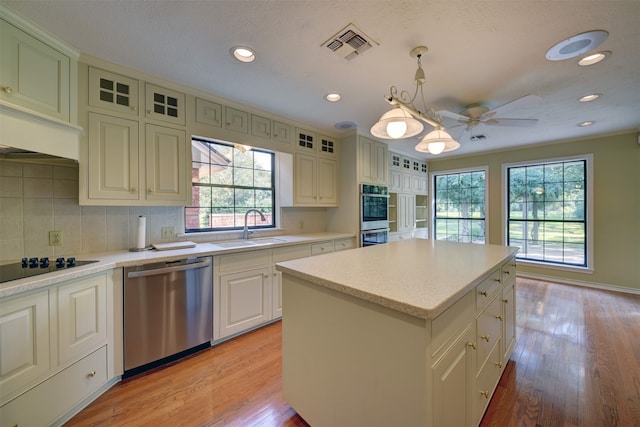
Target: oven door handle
{"type": "Point", "coordinates": [194, 265]}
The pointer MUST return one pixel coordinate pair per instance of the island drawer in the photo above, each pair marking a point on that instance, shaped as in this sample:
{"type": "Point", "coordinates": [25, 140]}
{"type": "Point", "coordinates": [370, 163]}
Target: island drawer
{"type": "Point", "coordinates": [488, 330]}
{"type": "Point", "coordinates": [243, 260]}
{"type": "Point", "coordinates": [486, 382]}
{"type": "Point", "coordinates": [287, 253]}
{"type": "Point", "coordinates": [447, 326]}
{"type": "Point", "coordinates": [487, 290]}
{"type": "Point", "coordinates": [508, 271]}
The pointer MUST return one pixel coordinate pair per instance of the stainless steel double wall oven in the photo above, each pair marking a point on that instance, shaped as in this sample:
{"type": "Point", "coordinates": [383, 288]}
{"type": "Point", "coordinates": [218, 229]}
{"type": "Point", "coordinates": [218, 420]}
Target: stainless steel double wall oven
{"type": "Point", "coordinates": [374, 214]}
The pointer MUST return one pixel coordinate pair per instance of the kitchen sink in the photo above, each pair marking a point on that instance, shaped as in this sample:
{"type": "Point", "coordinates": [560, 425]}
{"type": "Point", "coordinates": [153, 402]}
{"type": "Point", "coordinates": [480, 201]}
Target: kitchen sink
{"type": "Point", "coordinates": [250, 242]}
{"type": "Point", "coordinates": [235, 243]}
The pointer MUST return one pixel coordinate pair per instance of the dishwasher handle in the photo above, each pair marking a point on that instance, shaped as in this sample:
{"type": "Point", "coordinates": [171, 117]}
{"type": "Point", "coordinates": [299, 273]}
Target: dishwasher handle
{"type": "Point", "coordinates": [206, 262]}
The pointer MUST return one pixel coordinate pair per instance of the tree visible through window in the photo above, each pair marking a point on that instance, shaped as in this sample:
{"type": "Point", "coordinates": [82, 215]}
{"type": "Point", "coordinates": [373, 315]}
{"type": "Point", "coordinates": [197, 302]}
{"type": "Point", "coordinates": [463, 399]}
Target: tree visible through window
{"type": "Point", "coordinates": [547, 211]}
{"type": "Point", "coordinates": [459, 200]}
{"type": "Point", "coordinates": [226, 182]}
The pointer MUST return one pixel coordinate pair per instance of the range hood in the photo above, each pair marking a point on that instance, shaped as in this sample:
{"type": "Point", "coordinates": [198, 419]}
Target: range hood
{"type": "Point", "coordinates": [23, 131]}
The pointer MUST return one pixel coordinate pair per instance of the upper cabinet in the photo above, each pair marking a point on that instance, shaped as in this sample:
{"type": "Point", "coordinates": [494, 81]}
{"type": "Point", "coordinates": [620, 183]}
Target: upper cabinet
{"type": "Point", "coordinates": [407, 175]}
{"type": "Point", "coordinates": [164, 104]}
{"type": "Point", "coordinates": [33, 74]}
{"type": "Point", "coordinates": [113, 92]}
{"type": "Point", "coordinates": [373, 161]}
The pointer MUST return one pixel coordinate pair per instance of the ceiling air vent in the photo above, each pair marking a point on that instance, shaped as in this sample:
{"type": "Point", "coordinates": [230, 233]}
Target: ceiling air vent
{"type": "Point", "coordinates": [477, 137]}
{"type": "Point", "coordinates": [349, 42]}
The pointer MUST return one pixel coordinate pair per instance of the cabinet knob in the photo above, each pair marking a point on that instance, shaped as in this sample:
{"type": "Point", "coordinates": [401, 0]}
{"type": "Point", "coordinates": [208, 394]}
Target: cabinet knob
{"type": "Point", "coordinates": [506, 301]}
{"type": "Point", "coordinates": [498, 364]}
{"type": "Point", "coordinates": [149, 111]}
{"type": "Point", "coordinates": [499, 317]}
{"type": "Point", "coordinates": [134, 108]}
{"type": "Point", "coordinates": [485, 394]}
{"type": "Point", "coordinates": [485, 337]}
{"type": "Point", "coordinates": [91, 374]}
{"type": "Point", "coordinates": [150, 190]}
{"type": "Point", "coordinates": [483, 293]}
{"type": "Point", "coordinates": [496, 280]}
{"type": "Point", "coordinates": [266, 275]}
{"type": "Point", "coordinates": [472, 345]}
{"type": "Point", "coordinates": [507, 272]}
{"type": "Point", "coordinates": [133, 190]}
{"type": "Point", "coordinates": [7, 89]}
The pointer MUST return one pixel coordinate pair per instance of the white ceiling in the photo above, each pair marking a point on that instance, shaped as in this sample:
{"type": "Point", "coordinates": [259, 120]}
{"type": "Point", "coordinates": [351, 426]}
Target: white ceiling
{"type": "Point", "coordinates": [487, 52]}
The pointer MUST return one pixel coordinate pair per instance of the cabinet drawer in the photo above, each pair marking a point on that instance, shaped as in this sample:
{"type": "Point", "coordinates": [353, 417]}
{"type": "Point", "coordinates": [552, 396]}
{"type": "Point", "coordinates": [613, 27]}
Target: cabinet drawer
{"type": "Point", "coordinates": [243, 260]}
{"type": "Point", "coordinates": [448, 324]}
{"type": "Point", "coordinates": [486, 382]}
{"type": "Point", "coordinates": [287, 253]}
{"type": "Point", "coordinates": [509, 271]}
{"type": "Point", "coordinates": [321, 248]}
{"type": "Point", "coordinates": [487, 290]}
{"type": "Point", "coordinates": [56, 396]}
{"type": "Point", "coordinates": [489, 330]}
{"type": "Point", "coordinates": [343, 244]}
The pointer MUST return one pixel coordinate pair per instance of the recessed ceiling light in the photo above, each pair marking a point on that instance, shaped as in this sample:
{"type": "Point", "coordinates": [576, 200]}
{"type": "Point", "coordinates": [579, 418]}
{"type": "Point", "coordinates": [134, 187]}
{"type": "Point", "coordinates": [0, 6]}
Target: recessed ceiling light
{"type": "Point", "coordinates": [593, 59]}
{"type": "Point", "coordinates": [576, 45]}
{"type": "Point", "coordinates": [585, 124]}
{"type": "Point", "coordinates": [590, 97]}
{"type": "Point", "coordinates": [333, 97]}
{"type": "Point", "coordinates": [345, 125]}
{"type": "Point", "coordinates": [243, 54]}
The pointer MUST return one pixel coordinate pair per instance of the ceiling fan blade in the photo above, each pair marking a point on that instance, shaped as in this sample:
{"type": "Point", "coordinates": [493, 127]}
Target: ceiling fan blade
{"type": "Point", "coordinates": [452, 115]}
{"type": "Point", "coordinates": [511, 122]}
{"type": "Point", "coordinates": [523, 100]}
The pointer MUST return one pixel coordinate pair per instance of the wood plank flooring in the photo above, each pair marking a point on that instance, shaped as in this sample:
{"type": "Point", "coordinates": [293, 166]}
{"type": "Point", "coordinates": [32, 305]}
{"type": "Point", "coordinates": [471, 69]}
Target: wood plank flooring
{"type": "Point", "coordinates": [576, 363]}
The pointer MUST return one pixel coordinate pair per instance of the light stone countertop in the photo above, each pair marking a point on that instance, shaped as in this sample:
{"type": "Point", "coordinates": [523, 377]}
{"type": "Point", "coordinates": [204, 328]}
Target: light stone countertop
{"type": "Point", "coordinates": [108, 261]}
{"type": "Point", "coordinates": [419, 277]}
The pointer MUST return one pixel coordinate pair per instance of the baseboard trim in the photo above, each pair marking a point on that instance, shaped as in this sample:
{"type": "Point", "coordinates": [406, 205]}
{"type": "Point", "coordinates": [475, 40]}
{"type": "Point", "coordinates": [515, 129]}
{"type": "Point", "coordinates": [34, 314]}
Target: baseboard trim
{"type": "Point", "coordinates": [582, 283]}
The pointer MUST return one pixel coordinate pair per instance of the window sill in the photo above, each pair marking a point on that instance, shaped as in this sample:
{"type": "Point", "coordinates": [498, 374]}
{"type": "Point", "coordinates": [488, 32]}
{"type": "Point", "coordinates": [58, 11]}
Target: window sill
{"type": "Point", "coordinates": [231, 234]}
{"type": "Point", "coordinates": [574, 269]}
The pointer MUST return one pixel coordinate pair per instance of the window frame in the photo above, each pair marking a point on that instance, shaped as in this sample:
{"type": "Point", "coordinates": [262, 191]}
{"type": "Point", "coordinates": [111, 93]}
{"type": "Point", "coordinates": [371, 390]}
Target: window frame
{"type": "Point", "coordinates": [432, 196]}
{"type": "Point", "coordinates": [589, 218]}
{"type": "Point", "coordinates": [274, 205]}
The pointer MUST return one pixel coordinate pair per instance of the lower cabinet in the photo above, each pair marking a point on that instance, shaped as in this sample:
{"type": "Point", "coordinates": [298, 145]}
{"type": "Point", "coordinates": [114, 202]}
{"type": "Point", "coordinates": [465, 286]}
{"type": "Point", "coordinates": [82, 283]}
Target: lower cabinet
{"type": "Point", "coordinates": [248, 288]}
{"type": "Point", "coordinates": [453, 385]}
{"type": "Point", "coordinates": [54, 350]}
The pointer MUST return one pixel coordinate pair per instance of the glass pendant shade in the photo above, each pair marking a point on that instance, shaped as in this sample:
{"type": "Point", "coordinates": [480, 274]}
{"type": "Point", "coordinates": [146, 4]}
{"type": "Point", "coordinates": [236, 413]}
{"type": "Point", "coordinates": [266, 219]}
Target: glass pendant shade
{"type": "Point", "coordinates": [436, 142]}
{"type": "Point", "coordinates": [395, 124]}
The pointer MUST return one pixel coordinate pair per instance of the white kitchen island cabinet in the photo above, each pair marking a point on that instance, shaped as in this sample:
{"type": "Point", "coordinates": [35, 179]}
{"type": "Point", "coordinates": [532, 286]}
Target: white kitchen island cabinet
{"type": "Point", "coordinates": [411, 333]}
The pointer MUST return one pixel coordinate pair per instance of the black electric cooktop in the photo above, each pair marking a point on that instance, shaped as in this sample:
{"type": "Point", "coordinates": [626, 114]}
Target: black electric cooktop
{"type": "Point", "coordinates": [36, 266]}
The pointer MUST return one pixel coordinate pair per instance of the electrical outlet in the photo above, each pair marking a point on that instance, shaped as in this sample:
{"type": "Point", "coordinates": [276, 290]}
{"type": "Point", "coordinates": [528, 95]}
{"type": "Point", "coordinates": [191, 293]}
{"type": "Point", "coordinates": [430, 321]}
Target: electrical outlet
{"type": "Point", "coordinates": [55, 238]}
{"type": "Point", "coordinates": [167, 232]}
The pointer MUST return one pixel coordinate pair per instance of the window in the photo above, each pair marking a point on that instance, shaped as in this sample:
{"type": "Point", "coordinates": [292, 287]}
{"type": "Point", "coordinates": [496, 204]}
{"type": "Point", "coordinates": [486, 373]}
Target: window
{"type": "Point", "coordinates": [226, 181]}
{"type": "Point", "coordinates": [547, 211]}
{"type": "Point", "coordinates": [460, 206]}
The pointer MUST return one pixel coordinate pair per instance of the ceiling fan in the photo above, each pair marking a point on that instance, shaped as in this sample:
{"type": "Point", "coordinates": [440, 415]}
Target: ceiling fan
{"type": "Point", "coordinates": [478, 114]}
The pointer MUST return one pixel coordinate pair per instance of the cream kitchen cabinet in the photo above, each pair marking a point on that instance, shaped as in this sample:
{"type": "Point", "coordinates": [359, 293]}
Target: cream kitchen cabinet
{"type": "Point", "coordinates": [113, 92]}
{"type": "Point", "coordinates": [164, 104]}
{"type": "Point", "coordinates": [208, 113]}
{"type": "Point", "coordinates": [373, 161]}
{"type": "Point", "coordinates": [285, 253]}
{"type": "Point", "coordinates": [315, 180]}
{"type": "Point", "coordinates": [24, 347]}
{"type": "Point", "coordinates": [56, 339]}
{"type": "Point", "coordinates": [282, 132]}
{"type": "Point", "coordinates": [34, 75]}
{"type": "Point", "coordinates": [122, 171]}
{"type": "Point", "coordinates": [236, 120]}
{"type": "Point", "coordinates": [242, 288]}
{"type": "Point", "coordinates": [407, 175]}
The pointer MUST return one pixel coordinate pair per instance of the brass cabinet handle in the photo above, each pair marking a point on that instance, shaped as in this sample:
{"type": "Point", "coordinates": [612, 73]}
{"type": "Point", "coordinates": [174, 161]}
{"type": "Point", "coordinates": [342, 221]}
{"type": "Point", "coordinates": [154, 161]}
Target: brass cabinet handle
{"type": "Point", "coordinates": [150, 190]}
{"type": "Point", "coordinates": [485, 394]}
{"type": "Point", "coordinates": [506, 301]}
{"type": "Point", "coordinates": [133, 190]}
{"type": "Point", "coordinates": [91, 374]}
{"type": "Point", "coordinates": [485, 337]}
{"type": "Point", "coordinates": [496, 280]}
{"type": "Point", "coordinates": [498, 364]}
{"type": "Point", "coordinates": [472, 345]}
{"type": "Point", "coordinates": [507, 272]}
{"type": "Point", "coordinates": [7, 89]}
{"type": "Point", "coordinates": [483, 293]}
{"type": "Point", "coordinates": [134, 108]}
{"type": "Point", "coordinates": [499, 317]}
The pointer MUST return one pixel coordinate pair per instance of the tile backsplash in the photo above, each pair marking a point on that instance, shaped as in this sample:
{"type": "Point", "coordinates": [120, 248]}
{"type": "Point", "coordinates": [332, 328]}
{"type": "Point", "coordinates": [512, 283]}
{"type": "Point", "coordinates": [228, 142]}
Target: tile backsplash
{"type": "Point", "coordinates": [38, 198]}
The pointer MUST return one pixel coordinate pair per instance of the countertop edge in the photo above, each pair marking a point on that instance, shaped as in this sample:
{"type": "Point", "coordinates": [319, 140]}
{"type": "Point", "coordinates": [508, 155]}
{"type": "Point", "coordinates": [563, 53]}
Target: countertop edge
{"type": "Point", "coordinates": [118, 259]}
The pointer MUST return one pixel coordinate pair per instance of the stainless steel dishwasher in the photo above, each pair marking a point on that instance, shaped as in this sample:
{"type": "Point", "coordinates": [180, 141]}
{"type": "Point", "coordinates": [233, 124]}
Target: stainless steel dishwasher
{"type": "Point", "coordinates": [168, 311]}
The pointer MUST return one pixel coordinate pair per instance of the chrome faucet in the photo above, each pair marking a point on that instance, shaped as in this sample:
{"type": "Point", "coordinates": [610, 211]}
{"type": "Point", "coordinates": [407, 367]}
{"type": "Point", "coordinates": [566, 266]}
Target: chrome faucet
{"type": "Point", "coordinates": [245, 230]}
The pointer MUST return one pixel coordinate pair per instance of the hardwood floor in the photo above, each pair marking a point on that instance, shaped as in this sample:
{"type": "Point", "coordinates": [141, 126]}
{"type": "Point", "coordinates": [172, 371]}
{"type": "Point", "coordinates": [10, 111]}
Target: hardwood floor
{"type": "Point", "coordinates": [576, 363]}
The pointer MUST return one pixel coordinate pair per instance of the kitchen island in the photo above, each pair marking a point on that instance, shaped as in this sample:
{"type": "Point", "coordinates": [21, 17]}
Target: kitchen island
{"type": "Point", "coordinates": [411, 333]}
